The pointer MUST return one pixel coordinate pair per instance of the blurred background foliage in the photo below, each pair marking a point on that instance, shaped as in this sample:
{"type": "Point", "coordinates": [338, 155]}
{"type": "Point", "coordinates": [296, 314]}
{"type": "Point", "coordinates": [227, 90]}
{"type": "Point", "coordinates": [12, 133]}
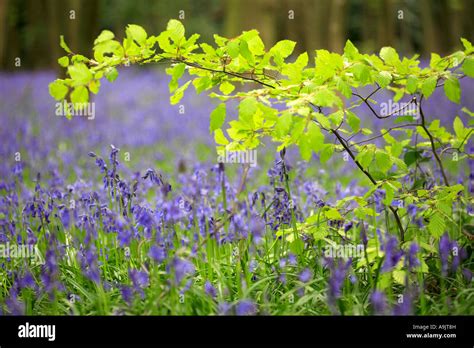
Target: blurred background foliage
{"type": "Point", "coordinates": [30, 29]}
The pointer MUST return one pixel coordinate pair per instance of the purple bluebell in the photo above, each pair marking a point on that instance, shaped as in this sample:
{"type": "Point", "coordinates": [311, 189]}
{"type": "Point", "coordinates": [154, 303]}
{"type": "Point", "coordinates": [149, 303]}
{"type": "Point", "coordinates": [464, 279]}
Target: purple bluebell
{"type": "Point", "coordinates": [246, 307]}
{"type": "Point", "coordinates": [378, 300]}
{"type": "Point", "coordinates": [392, 254]}
{"type": "Point", "coordinates": [305, 276]}
{"type": "Point", "coordinates": [210, 289]}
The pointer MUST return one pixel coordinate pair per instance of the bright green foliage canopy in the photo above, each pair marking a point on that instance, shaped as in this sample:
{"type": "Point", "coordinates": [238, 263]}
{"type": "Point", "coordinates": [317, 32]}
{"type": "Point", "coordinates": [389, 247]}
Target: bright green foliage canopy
{"type": "Point", "coordinates": [297, 103]}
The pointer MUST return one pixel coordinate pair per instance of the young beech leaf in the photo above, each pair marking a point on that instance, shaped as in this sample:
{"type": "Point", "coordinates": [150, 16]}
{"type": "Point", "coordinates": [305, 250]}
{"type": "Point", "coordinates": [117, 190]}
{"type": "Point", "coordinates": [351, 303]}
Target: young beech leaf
{"type": "Point", "coordinates": [111, 74]}
{"type": "Point", "coordinates": [64, 61]}
{"type": "Point", "coordinates": [136, 33]}
{"type": "Point", "coordinates": [412, 84]}
{"type": "Point", "coordinates": [105, 35]}
{"type": "Point", "coordinates": [79, 73]}
{"type": "Point", "coordinates": [353, 120]}
{"type": "Point", "coordinates": [283, 48]}
{"type": "Point", "coordinates": [220, 138]}
{"type": "Point", "coordinates": [217, 117]}
{"type": "Point", "coordinates": [452, 89]}
{"type": "Point", "coordinates": [333, 214]}
{"type": "Point", "coordinates": [176, 30]}
{"type": "Point", "coordinates": [468, 67]}
{"type": "Point", "coordinates": [63, 44]}
{"type": "Point", "coordinates": [179, 93]}
{"type": "Point", "coordinates": [79, 96]}
{"type": "Point", "coordinates": [389, 55]}
{"type": "Point", "coordinates": [437, 224]}
{"type": "Point", "coordinates": [429, 86]}
{"type": "Point", "coordinates": [226, 87]}
{"type": "Point", "coordinates": [58, 90]}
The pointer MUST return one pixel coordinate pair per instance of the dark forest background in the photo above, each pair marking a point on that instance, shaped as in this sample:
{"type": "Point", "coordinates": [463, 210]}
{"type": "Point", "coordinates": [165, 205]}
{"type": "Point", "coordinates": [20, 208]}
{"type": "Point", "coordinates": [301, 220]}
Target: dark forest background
{"type": "Point", "coordinates": [30, 29]}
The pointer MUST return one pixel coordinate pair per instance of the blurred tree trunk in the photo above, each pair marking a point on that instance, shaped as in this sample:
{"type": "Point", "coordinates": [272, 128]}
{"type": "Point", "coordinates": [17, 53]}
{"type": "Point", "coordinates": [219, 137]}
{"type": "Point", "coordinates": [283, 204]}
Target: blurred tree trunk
{"type": "Point", "coordinates": [337, 25]}
{"type": "Point", "coordinates": [368, 27]}
{"type": "Point", "coordinates": [3, 31]}
{"type": "Point", "coordinates": [73, 18]}
{"type": "Point", "coordinates": [386, 23]}
{"type": "Point", "coordinates": [293, 19]}
{"type": "Point", "coordinates": [316, 25]}
{"type": "Point", "coordinates": [430, 39]}
{"type": "Point", "coordinates": [53, 13]}
{"type": "Point", "coordinates": [233, 15]}
{"type": "Point", "coordinates": [89, 25]}
{"type": "Point", "coordinates": [455, 19]}
{"type": "Point", "coordinates": [468, 28]}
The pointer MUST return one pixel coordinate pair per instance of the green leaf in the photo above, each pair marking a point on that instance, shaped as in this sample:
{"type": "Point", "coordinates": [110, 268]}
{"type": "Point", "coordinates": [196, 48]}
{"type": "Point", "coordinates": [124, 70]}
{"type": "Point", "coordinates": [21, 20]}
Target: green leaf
{"type": "Point", "coordinates": [176, 73]}
{"type": "Point", "coordinates": [468, 67]}
{"type": "Point", "coordinates": [458, 127]}
{"type": "Point", "coordinates": [64, 61]}
{"type": "Point", "coordinates": [111, 74]}
{"type": "Point", "coordinates": [283, 48]}
{"type": "Point", "coordinates": [305, 148]}
{"type": "Point", "coordinates": [245, 52]}
{"type": "Point", "coordinates": [350, 51]}
{"type": "Point", "coordinates": [411, 157]}
{"type": "Point", "coordinates": [136, 33]}
{"type": "Point", "coordinates": [179, 93]}
{"type": "Point", "coordinates": [80, 73]}
{"type": "Point", "coordinates": [343, 87]}
{"type": "Point", "coordinates": [323, 120]}
{"type": "Point", "coordinates": [220, 138]}
{"type": "Point", "coordinates": [412, 84]}
{"type": "Point", "coordinates": [361, 73]}
{"type": "Point", "coordinates": [315, 137]}
{"type": "Point", "coordinates": [79, 95]}
{"type": "Point", "coordinates": [226, 87]}
{"type": "Point", "coordinates": [107, 47]}
{"type": "Point", "coordinates": [217, 117]}
{"type": "Point", "coordinates": [94, 86]}
{"type": "Point", "coordinates": [437, 225]}
{"type": "Point", "coordinates": [333, 214]}
{"type": "Point", "coordinates": [383, 78]}
{"type": "Point", "coordinates": [326, 152]}
{"type": "Point", "coordinates": [233, 48]}
{"type": "Point", "coordinates": [326, 98]}
{"type": "Point", "coordinates": [452, 89]}
{"type": "Point", "coordinates": [429, 86]}
{"type": "Point", "coordinates": [336, 117]}
{"type": "Point", "coordinates": [176, 30]}
{"type": "Point", "coordinates": [467, 45]}
{"type": "Point", "coordinates": [247, 108]}
{"type": "Point", "coordinates": [283, 124]}
{"type": "Point", "coordinates": [353, 120]}
{"type": "Point", "coordinates": [383, 161]}
{"type": "Point", "coordinates": [389, 55]}
{"type": "Point", "coordinates": [63, 44]}
{"type": "Point", "coordinates": [57, 89]}
{"type": "Point", "coordinates": [202, 83]}
{"type": "Point", "coordinates": [105, 35]}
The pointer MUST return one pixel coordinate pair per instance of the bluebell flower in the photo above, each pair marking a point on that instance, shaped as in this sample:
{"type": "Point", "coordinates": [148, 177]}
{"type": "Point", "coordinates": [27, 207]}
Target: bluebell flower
{"type": "Point", "coordinates": [182, 268]}
{"type": "Point", "coordinates": [411, 256]}
{"type": "Point", "coordinates": [224, 308]}
{"type": "Point", "coordinates": [209, 289]}
{"type": "Point", "coordinates": [246, 307]}
{"type": "Point", "coordinates": [305, 276]}
{"type": "Point", "coordinates": [378, 300]}
{"type": "Point", "coordinates": [392, 254]}
{"type": "Point", "coordinates": [157, 253]}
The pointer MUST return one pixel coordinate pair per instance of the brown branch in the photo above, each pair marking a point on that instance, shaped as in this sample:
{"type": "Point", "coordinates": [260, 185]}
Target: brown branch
{"type": "Point", "coordinates": [432, 142]}
{"type": "Point", "coordinates": [371, 178]}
